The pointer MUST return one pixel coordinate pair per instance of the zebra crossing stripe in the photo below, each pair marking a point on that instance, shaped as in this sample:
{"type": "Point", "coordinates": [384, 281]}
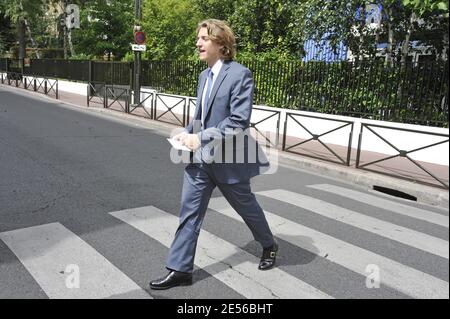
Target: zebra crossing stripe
{"type": "Point", "coordinates": [385, 204]}
{"type": "Point", "coordinates": [66, 267]}
{"type": "Point", "coordinates": [391, 231]}
{"type": "Point", "coordinates": [402, 278]}
{"type": "Point", "coordinates": [226, 262]}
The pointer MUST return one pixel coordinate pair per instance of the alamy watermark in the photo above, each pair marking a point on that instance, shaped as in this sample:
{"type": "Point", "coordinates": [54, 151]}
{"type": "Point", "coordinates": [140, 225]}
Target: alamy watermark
{"type": "Point", "coordinates": [73, 276]}
{"type": "Point", "coordinates": [230, 146]}
{"type": "Point", "coordinates": [373, 277]}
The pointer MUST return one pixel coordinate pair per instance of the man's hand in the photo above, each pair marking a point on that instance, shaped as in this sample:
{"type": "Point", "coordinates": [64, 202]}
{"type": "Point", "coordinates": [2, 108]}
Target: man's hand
{"type": "Point", "coordinates": [180, 136]}
{"type": "Point", "coordinates": [191, 141]}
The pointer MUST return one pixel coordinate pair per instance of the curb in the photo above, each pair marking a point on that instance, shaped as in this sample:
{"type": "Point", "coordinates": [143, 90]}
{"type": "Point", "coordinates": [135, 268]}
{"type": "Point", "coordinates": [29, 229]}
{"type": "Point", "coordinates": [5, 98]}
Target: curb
{"type": "Point", "coordinates": [424, 194]}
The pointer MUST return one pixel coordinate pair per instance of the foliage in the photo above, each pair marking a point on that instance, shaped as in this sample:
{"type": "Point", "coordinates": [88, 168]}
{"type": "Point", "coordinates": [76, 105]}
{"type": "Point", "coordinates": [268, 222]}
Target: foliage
{"type": "Point", "coordinates": [170, 25]}
{"type": "Point", "coordinates": [270, 39]}
{"type": "Point", "coordinates": [422, 7]}
{"type": "Point", "coordinates": [20, 9]}
{"type": "Point", "coordinates": [106, 28]}
{"type": "Point", "coordinates": [266, 27]}
{"type": "Point", "coordinates": [19, 12]}
{"type": "Point", "coordinates": [82, 56]}
{"type": "Point", "coordinates": [7, 35]}
{"type": "Point", "coordinates": [268, 30]}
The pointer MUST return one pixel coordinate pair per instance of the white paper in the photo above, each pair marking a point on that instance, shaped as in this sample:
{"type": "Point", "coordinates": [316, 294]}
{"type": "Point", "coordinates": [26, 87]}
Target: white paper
{"type": "Point", "coordinates": [177, 145]}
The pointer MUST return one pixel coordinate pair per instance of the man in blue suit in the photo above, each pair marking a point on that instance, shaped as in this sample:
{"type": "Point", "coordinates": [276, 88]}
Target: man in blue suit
{"type": "Point", "coordinates": [222, 116]}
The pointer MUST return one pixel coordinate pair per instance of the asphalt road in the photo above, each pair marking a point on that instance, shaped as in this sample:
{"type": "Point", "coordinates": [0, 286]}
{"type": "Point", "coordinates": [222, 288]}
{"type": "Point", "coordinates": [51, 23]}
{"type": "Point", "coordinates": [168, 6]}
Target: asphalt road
{"type": "Point", "coordinates": [102, 190]}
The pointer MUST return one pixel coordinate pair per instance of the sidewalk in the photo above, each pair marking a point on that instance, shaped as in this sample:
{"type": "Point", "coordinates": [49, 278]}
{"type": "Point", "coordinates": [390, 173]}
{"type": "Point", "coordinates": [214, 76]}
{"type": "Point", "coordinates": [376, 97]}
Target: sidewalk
{"type": "Point", "coordinates": [425, 188]}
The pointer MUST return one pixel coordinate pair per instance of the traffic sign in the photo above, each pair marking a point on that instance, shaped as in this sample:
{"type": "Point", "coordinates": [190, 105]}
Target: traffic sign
{"type": "Point", "coordinates": [139, 47]}
{"type": "Point", "coordinates": [139, 37]}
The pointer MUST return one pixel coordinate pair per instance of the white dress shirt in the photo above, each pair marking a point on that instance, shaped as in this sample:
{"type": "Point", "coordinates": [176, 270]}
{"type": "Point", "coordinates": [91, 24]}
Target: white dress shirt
{"type": "Point", "coordinates": [215, 70]}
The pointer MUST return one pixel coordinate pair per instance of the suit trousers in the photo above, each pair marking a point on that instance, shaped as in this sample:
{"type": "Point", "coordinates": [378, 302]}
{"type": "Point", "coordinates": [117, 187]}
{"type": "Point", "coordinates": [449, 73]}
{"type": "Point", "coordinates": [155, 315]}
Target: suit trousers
{"type": "Point", "coordinates": [198, 186]}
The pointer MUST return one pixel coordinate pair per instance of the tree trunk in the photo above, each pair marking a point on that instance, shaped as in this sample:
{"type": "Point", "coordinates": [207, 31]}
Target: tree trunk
{"type": "Point", "coordinates": [65, 42]}
{"type": "Point", "coordinates": [377, 40]}
{"type": "Point", "coordinates": [63, 5]}
{"type": "Point", "coordinates": [21, 31]}
{"type": "Point", "coordinates": [33, 43]}
{"type": "Point", "coordinates": [390, 43]}
{"type": "Point", "coordinates": [405, 50]}
{"type": "Point", "coordinates": [362, 14]}
{"type": "Point", "coordinates": [405, 46]}
{"type": "Point", "coordinates": [69, 37]}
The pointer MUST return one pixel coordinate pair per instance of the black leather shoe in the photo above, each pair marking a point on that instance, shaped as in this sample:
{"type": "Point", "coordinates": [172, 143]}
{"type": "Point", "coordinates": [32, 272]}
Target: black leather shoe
{"type": "Point", "coordinates": [268, 258]}
{"type": "Point", "coordinates": [172, 279]}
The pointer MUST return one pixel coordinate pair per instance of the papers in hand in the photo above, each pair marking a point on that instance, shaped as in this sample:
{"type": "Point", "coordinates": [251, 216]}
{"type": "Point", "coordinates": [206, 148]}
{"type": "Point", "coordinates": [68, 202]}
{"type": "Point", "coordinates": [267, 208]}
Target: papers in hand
{"type": "Point", "coordinates": [177, 145]}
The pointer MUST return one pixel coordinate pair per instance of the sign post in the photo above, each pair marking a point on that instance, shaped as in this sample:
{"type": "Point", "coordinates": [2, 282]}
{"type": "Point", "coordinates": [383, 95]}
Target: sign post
{"type": "Point", "coordinates": [138, 47]}
{"type": "Point", "coordinates": [139, 36]}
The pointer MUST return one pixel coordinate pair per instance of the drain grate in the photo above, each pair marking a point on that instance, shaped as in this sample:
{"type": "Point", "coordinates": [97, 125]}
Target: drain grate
{"type": "Point", "coordinates": [394, 192]}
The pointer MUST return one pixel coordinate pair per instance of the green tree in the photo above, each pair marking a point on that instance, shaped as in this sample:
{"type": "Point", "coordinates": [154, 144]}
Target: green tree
{"type": "Point", "coordinates": [215, 9]}
{"type": "Point", "coordinates": [343, 21]}
{"type": "Point", "coordinates": [7, 35]}
{"type": "Point", "coordinates": [265, 29]}
{"type": "Point", "coordinates": [422, 7]}
{"type": "Point", "coordinates": [106, 28]}
{"type": "Point", "coordinates": [170, 25]}
{"type": "Point", "coordinates": [20, 12]}
{"type": "Point", "coordinates": [426, 17]}
{"type": "Point", "coordinates": [334, 21]}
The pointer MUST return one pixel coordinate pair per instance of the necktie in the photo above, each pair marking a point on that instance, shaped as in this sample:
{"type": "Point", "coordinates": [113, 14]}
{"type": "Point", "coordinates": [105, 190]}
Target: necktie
{"type": "Point", "coordinates": [208, 92]}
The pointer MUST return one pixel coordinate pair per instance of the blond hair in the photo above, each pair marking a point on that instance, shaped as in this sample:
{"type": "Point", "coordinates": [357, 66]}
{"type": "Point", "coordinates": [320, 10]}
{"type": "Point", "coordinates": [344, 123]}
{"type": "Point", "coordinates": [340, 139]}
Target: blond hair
{"type": "Point", "coordinates": [221, 33]}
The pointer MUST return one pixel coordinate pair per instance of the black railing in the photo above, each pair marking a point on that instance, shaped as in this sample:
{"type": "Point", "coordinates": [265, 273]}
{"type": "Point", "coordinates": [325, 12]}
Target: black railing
{"type": "Point", "coordinates": [142, 108]}
{"type": "Point", "coordinates": [172, 77]}
{"type": "Point", "coordinates": [3, 64]}
{"type": "Point", "coordinates": [45, 85]}
{"type": "Point", "coordinates": [270, 117]}
{"type": "Point", "coordinates": [401, 152]}
{"type": "Point", "coordinates": [113, 73]}
{"type": "Point", "coordinates": [62, 69]}
{"type": "Point", "coordinates": [12, 78]}
{"type": "Point", "coordinates": [117, 98]}
{"type": "Point", "coordinates": [317, 137]}
{"type": "Point", "coordinates": [408, 93]}
{"type": "Point", "coordinates": [96, 94]}
{"type": "Point", "coordinates": [168, 112]}
{"type": "Point", "coordinates": [191, 104]}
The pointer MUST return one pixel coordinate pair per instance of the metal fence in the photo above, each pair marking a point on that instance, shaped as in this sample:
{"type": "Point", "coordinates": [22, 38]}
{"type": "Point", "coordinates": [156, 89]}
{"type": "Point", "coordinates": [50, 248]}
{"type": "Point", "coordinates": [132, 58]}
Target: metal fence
{"type": "Point", "coordinates": [173, 77]}
{"type": "Point", "coordinates": [401, 151]}
{"type": "Point", "coordinates": [62, 69]}
{"type": "Point", "coordinates": [114, 73]}
{"type": "Point", "coordinates": [3, 64]}
{"type": "Point", "coordinates": [44, 85]}
{"type": "Point", "coordinates": [409, 93]}
{"type": "Point", "coordinates": [176, 109]}
{"type": "Point", "coordinates": [314, 136]}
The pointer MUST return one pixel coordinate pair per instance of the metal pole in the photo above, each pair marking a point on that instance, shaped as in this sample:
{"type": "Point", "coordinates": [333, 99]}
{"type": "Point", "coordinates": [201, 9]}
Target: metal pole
{"type": "Point", "coordinates": [137, 58]}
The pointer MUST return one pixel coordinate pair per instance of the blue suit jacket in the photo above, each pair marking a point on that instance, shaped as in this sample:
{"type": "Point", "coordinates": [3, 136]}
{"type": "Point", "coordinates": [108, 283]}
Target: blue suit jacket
{"type": "Point", "coordinates": [227, 118]}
